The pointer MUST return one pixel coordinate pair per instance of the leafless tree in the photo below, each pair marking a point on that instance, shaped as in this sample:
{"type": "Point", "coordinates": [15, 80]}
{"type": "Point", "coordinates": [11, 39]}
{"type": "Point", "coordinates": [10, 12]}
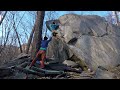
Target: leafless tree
{"type": "Point", "coordinates": [14, 26]}
{"type": "Point", "coordinates": [14, 33]}
{"type": "Point", "coordinates": [29, 40]}
{"type": "Point", "coordinates": [117, 17]}
{"type": "Point", "coordinates": [109, 17]}
{"type": "Point", "coordinates": [25, 26]}
{"type": "Point", "coordinates": [37, 33]}
{"type": "Point", "coordinates": [2, 18]}
{"type": "Point", "coordinates": [49, 15]}
{"type": "Point", "coordinates": [112, 17]}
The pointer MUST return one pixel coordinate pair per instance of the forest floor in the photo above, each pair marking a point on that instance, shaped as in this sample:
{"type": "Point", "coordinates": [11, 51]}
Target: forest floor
{"type": "Point", "coordinates": [18, 69]}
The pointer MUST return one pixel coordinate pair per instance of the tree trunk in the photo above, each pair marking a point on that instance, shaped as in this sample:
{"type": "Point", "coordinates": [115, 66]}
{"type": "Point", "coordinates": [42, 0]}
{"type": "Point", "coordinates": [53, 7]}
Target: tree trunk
{"type": "Point", "coordinates": [117, 18]}
{"type": "Point", "coordinates": [37, 33]}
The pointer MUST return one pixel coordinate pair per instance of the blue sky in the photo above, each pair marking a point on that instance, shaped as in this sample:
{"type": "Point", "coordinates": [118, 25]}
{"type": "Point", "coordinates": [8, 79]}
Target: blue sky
{"type": "Point", "coordinates": [100, 13]}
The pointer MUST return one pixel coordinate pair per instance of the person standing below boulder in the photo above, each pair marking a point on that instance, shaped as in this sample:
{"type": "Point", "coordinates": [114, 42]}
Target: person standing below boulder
{"type": "Point", "coordinates": [41, 55]}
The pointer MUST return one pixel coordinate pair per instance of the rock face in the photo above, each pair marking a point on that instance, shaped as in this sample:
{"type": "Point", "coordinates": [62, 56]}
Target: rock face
{"type": "Point", "coordinates": [58, 50]}
{"type": "Point", "coordinates": [103, 74]}
{"type": "Point", "coordinates": [90, 38]}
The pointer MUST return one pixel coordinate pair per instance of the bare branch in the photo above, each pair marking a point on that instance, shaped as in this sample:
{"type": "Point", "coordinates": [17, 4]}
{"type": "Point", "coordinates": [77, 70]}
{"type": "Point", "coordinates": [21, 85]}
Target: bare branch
{"type": "Point", "coordinates": [30, 39]}
{"type": "Point", "coordinates": [17, 37]}
{"type": "Point", "coordinates": [3, 17]}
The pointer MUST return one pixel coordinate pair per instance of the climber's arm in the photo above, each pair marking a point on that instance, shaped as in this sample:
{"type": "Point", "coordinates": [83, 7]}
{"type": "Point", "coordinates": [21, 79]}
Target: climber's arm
{"type": "Point", "coordinates": [50, 39]}
{"type": "Point", "coordinates": [50, 27]}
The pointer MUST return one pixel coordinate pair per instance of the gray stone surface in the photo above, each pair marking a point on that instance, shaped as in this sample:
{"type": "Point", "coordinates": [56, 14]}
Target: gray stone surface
{"type": "Point", "coordinates": [70, 63]}
{"type": "Point", "coordinates": [58, 50]}
{"type": "Point", "coordinates": [103, 74]}
{"type": "Point", "coordinates": [97, 43]}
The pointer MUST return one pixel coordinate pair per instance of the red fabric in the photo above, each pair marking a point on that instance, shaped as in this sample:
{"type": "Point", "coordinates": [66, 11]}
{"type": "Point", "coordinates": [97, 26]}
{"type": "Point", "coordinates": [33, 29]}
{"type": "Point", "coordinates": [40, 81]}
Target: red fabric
{"type": "Point", "coordinates": [41, 55]}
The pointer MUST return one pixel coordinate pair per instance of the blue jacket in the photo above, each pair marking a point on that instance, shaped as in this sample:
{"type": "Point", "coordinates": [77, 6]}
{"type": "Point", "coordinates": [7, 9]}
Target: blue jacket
{"type": "Point", "coordinates": [44, 44]}
{"type": "Point", "coordinates": [53, 27]}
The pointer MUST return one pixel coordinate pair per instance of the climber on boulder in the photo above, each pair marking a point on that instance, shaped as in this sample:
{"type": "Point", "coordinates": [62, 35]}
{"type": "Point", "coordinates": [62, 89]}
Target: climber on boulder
{"type": "Point", "coordinates": [53, 28]}
{"type": "Point", "coordinates": [41, 55]}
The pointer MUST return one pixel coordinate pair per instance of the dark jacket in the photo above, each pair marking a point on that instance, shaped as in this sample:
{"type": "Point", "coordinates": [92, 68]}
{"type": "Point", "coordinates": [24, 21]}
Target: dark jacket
{"type": "Point", "coordinates": [44, 44]}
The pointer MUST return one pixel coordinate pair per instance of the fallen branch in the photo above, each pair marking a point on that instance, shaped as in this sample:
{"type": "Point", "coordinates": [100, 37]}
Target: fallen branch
{"type": "Point", "coordinates": [23, 65]}
{"type": "Point", "coordinates": [60, 75]}
{"type": "Point", "coordinates": [29, 71]}
{"type": "Point", "coordinates": [63, 68]}
{"type": "Point", "coordinates": [5, 72]}
{"type": "Point", "coordinates": [47, 72]}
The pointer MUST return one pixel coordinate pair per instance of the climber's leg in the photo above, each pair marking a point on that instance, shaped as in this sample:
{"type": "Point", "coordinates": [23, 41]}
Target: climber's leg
{"type": "Point", "coordinates": [34, 60]}
{"type": "Point", "coordinates": [43, 56]}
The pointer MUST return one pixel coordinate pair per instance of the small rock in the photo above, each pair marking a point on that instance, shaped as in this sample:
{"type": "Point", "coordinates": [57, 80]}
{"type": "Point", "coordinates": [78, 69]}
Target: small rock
{"type": "Point", "coordinates": [86, 74]}
{"type": "Point", "coordinates": [70, 63]}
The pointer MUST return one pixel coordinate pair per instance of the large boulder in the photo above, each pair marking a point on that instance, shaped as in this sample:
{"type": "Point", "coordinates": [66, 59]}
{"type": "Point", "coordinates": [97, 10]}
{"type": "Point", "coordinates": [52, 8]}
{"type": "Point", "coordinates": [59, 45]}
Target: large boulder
{"type": "Point", "coordinates": [92, 39]}
{"type": "Point", "coordinates": [58, 50]}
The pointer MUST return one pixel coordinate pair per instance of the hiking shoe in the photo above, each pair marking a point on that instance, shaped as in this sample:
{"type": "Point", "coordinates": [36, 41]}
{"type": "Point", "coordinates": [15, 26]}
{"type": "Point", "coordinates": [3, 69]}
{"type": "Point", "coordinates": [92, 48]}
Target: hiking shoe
{"type": "Point", "coordinates": [42, 64]}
